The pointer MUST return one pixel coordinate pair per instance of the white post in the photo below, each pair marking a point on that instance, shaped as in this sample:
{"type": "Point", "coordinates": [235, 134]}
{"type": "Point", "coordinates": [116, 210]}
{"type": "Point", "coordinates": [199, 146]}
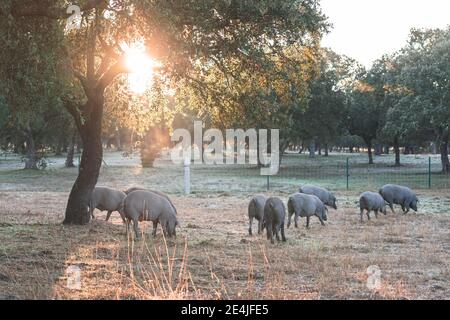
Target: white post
{"type": "Point", "coordinates": [187, 175]}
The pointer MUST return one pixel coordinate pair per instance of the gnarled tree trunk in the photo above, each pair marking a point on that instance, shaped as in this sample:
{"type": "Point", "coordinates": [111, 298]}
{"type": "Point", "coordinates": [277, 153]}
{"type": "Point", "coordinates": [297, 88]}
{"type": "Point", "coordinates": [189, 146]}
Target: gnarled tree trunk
{"type": "Point", "coordinates": [91, 160]}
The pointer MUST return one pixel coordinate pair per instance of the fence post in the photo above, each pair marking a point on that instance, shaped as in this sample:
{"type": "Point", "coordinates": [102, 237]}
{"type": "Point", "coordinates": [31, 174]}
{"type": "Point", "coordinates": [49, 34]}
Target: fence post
{"type": "Point", "coordinates": [187, 176]}
{"type": "Point", "coordinates": [347, 173]}
{"type": "Point", "coordinates": [268, 182]}
{"type": "Point", "coordinates": [429, 172]}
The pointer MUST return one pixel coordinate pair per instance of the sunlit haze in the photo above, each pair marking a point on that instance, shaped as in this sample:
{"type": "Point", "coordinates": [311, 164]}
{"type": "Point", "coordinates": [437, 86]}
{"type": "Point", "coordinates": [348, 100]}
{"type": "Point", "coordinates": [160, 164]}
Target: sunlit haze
{"type": "Point", "coordinates": [141, 66]}
{"type": "Point", "coordinates": [367, 29]}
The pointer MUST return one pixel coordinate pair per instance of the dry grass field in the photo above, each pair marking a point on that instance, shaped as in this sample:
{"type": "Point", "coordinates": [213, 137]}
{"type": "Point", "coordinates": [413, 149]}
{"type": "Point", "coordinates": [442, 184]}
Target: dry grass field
{"type": "Point", "coordinates": [213, 257]}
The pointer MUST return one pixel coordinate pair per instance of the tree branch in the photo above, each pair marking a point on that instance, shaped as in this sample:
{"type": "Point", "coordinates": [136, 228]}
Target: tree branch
{"type": "Point", "coordinates": [82, 80]}
{"type": "Point", "coordinates": [72, 108]}
{"type": "Point", "coordinates": [39, 9]}
{"type": "Point", "coordinates": [115, 70]}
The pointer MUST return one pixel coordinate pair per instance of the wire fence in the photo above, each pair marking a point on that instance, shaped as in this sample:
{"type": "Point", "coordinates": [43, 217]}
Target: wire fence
{"type": "Point", "coordinates": [335, 173]}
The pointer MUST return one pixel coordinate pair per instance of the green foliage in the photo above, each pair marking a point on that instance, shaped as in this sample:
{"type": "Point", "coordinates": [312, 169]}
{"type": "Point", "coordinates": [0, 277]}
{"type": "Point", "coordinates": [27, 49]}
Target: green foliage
{"type": "Point", "coordinates": [323, 118]}
{"type": "Point", "coordinates": [424, 73]}
{"type": "Point", "coordinates": [32, 75]}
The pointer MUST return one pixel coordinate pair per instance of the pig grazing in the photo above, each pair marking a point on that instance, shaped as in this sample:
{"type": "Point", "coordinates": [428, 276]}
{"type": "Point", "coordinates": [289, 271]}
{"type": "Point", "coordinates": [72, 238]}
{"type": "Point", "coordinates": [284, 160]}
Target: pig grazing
{"type": "Point", "coordinates": [274, 216]}
{"type": "Point", "coordinates": [106, 199]}
{"type": "Point", "coordinates": [256, 211]}
{"type": "Point", "coordinates": [162, 194]}
{"type": "Point", "coordinates": [144, 205]}
{"type": "Point", "coordinates": [323, 194]}
{"type": "Point", "coordinates": [394, 194]}
{"type": "Point", "coordinates": [305, 205]}
{"type": "Point", "coordinates": [371, 201]}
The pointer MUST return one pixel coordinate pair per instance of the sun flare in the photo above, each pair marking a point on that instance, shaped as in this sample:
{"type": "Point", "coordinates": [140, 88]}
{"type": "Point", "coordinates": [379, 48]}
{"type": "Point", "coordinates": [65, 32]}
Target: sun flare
{"type": "Point", "coordinates": [141, 66]}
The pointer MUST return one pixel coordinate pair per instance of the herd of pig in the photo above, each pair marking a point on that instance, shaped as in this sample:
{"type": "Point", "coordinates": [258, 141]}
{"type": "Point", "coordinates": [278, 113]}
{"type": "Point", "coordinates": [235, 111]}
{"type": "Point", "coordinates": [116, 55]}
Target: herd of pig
{"type": "Point", "coordinates": [137, 204]}
{"type": "Point", "coordinates": [313, 201]}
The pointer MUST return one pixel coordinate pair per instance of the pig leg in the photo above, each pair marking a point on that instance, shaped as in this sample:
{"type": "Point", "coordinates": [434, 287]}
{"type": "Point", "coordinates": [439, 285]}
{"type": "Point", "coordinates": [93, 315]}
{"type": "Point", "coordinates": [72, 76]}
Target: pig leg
{"type": "Point", "coordinates": [108, 215]}
{"type": "Point", "coordinates": [368, 214]}
{"type": "Point", "coordinates": [376, 214]}
{"type": "Point", "coordinates": [391, 205]}
{"type": "Point", "coordinates": [260, 227]}
{"type": "Point", "coordinates": [127, 224]}
{"type": "Point", "coordinates": [283, 237]}
{"type": "Point", "coordinates": [155, 226]}
{"type": "Point", "coordinates": [307, 222]}
{"type": "Point", "coordinates": [269, 232]}
{"type": "Point", "coordinates": [164, 228]}
{"type": "Point", "coordinates": [323, 223]}
{"type": "Point", "coordinates": [136, 228]}
{"type": "Point", "coordinates": [361, 215]}
{"type": "Point", "coordinates": [123, 217]}
{"type": "Point", "coordinates": [91, 210]}
{"type": "Point", "coordinates": [296, 220]}
{"type": "Point", "coordinates": [250, 223]}
{"type": "Point", "coordinates": [276, 230]}
{"type": "Point", "coordinates": [289, 219]}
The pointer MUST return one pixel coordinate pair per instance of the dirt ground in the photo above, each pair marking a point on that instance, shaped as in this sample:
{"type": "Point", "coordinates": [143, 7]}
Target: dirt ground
{"type": "Point", "coordinates": [214, 258]}
{"type": "Point", "coordinates": [394, 257]}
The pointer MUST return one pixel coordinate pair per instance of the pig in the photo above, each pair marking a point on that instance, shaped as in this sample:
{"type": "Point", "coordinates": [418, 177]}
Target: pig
{"type": "Point", "coordinates": [371, 201]}
{"type": "Point", "coordinates": [106, 199]}
{"type": "Point", "coordinates": [256, 211]}
{"type": "Point", "coordinates": [394, 194]}
{"type": "Point", "coordinates": [162, 194]}
{"type": "Point", "coordinates": [144, 205]}
{"type": "Point", "coordinates": [305, 205]}
{"type": "Point", "coordinates": [273, 221]}
{"type": "Point", "coordinates": [323, 194]}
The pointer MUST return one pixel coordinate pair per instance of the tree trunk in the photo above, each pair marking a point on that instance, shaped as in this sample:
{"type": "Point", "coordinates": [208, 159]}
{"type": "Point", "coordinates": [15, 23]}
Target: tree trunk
{"type": "Point", "coordinates": [71, 151]}
{"type": "Point", "coordinates": [378, 149]}
{"type": "Point", "coordinates": [397, 152]}
{"type": "Point", "coordinates": [91, 160]}
{"type": "Point", "coordinates": [369, 150]}
{"type": "Point", "coordinates": [312, 149]}
{"type": "Point", "coordinates": [386, 149]}
{"type": "Point", "coordinates": [326, 150]}
{"type": "Point", "coordinates": [118, 140]}
{"type": "Point", "coordinates": [444, 156]}
{"type": "Point", "coordinates": [31, 157]}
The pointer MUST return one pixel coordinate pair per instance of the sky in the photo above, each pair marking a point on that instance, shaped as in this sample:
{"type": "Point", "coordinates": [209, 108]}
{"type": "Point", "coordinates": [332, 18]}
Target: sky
{"type": "Point", "coordinates": [367, 29]}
